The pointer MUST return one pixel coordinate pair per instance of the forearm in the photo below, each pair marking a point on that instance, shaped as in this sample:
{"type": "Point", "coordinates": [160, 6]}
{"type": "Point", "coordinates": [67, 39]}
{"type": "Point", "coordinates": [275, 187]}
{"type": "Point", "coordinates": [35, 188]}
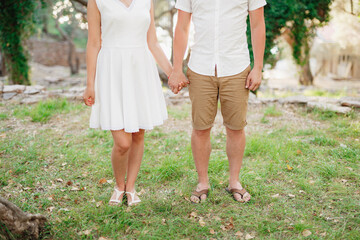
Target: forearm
{"type": "Point", "coordinates": [180, 44]}
{"type": "Point", "coordinates": [161, 58]}
{"type": "Point", "coordinates": [258, 38]}
{"type": "Point", "coordinates": [92, 52]}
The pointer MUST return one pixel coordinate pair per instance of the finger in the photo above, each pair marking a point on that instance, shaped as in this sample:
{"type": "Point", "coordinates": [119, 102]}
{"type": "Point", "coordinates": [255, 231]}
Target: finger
{"type": "Point", "coordinates": [248, 82]}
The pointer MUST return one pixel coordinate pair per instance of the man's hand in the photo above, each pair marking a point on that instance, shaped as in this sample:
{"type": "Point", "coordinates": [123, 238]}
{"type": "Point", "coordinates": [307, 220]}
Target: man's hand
{"type": "Point", "coordinates": [254, 79]}
{"type": "Point", "coordinates": [177, 81]}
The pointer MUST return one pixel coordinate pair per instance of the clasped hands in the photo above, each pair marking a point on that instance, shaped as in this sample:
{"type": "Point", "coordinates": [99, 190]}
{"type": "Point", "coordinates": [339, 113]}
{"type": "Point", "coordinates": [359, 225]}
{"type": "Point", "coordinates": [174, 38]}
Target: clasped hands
{"type": "Point", "coordinates": [177, 81]}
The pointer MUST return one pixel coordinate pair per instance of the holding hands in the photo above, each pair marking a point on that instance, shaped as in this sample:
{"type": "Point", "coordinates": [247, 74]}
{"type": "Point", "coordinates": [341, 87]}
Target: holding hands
{"type": "Point", "coordinates": [177, 81]}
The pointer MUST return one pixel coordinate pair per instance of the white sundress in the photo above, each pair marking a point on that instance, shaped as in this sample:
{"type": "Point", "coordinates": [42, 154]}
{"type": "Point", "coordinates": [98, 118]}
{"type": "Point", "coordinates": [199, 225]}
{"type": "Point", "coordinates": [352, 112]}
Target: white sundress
{"type": "Point", "coordinates": [128, 91]}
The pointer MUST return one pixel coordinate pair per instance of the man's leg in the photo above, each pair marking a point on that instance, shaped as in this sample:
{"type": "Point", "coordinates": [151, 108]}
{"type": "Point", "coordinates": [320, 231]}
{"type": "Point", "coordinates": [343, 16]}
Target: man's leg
{"type": "Point", "coordinates": [235, 146]}
{"type": "Point", "coordinates": [203, 91]}
{"type": "Point", "coordinates": [201, 148]}
{"type": "Point", "coordinates": [234, 100]}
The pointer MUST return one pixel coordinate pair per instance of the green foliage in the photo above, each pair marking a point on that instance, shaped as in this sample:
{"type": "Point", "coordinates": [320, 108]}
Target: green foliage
{"type": "Point", "coordinates": [16, 25]}
{"type": "Point", "coordinates": [302, 17]}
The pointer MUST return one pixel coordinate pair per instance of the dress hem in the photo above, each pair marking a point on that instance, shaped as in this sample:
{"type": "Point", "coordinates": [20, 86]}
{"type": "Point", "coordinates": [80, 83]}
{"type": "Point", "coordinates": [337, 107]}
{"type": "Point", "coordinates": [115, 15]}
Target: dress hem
{"type": "Point", "coordinates": [126, 130]}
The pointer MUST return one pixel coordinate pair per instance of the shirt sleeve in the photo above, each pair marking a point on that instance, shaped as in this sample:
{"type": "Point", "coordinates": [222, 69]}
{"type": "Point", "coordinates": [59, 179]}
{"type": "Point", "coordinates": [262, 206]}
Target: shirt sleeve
{"type": "Point", "coordinates": [255, 4]}
{"type": "Point", "coordinates": [184, 5]}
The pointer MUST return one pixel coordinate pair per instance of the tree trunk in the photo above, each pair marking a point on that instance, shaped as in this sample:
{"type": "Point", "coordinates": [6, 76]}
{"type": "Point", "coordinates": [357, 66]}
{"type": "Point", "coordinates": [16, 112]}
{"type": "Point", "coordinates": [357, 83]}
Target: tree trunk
{"type": "Point", "coordinates": [306, 77]}
{"type": "Point", "coordinates": [73, 59]}
{"type": "Point", "coordinates": [18, 223]}
{"type": "Point", "coordinates": [2, 65]}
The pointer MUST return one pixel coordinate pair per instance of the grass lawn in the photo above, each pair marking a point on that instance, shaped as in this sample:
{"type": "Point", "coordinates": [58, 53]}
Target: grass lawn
{"type": "Point", "coordinates": [301, 168]}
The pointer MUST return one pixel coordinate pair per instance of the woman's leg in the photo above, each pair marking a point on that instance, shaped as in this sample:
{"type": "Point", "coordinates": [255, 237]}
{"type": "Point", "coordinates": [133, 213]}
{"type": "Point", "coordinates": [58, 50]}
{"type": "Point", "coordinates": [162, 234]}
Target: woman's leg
{"type": "Point", "coordinates": [135, 156]}
{"type": "Point", "coordinates": [119, 158]}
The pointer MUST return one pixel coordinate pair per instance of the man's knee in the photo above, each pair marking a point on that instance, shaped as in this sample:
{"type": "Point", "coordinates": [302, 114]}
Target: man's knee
{"type": "Point", "coordinates": [202, 133]}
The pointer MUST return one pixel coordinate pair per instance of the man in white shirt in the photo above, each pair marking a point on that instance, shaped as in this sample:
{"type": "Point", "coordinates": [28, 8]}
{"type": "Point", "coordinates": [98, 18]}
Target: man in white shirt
{"type": "Point", "coordinates": [219, 68]}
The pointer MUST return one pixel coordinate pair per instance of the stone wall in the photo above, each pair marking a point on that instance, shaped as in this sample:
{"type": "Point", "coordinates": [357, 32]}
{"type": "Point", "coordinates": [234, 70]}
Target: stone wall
{"type": "Point", "coordinates": [52, 53]}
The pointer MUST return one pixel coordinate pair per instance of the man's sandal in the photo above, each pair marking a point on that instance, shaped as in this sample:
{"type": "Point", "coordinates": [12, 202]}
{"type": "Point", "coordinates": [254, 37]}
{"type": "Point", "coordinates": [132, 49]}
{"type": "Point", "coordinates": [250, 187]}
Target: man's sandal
{"type": "Point", "coordinates": [116, 201]}
{"type": "Point", "coordinates": [198, 194]}
{"type": "Point", "coordinates": [132, 202]}
{"type": "Point", "coordinates": [241, 192]}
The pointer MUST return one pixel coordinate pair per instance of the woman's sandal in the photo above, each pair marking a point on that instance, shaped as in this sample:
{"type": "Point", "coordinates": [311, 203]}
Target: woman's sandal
{"type": "Point", "coordinates": [242, 192]}
{"type": "Point", "coordinates": [132, 202]}
{"type": "Point", "coordinates": [116, 201]}
{"type": "Point", "coordinates": [198, 194]}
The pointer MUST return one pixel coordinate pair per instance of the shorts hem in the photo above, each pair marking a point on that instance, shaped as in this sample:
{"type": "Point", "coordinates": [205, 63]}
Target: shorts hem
{"type": "Point", "coordinates": [241, 127]}
{"type": "Point", "coordinates": [202, 127]}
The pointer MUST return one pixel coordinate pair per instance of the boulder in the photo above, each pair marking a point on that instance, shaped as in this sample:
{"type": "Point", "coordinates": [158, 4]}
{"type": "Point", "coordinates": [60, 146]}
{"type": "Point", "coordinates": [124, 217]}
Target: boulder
{"type": "Point", "coordinates": [294, 100]}
{"type": "Point", "coordinates": [350, 102]}
{"type": "Point", "coordinates": [33, 99]}
{"type": "Point", "coordinates": [14, 88]}
{"type": "Point", "coordinates": [34, 89]}
{"type": "Point", "coordinates": [77, 89]}
{"type": "Point", "coordinates": [9, 95]}
{"type": "Point", "coordinates": [329, 107]}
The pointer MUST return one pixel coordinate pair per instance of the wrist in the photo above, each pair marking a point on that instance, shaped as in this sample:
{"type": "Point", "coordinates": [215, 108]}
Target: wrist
{"type": "Point", "coordinates": [258, 67]}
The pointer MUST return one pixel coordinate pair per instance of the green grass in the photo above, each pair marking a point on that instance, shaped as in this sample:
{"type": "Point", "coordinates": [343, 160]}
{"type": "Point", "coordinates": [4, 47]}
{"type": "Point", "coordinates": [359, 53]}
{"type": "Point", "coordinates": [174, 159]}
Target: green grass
{"type": "Point", "coordinates": [37, 163]}
{"type": "Point", "coordinates": [270, 111]}
{"type": "Point", "coordinates": [44, 110]}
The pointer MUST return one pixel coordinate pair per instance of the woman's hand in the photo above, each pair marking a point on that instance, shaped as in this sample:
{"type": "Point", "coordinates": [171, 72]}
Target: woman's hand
{"type": "Point", "coordinates": [89, 96]}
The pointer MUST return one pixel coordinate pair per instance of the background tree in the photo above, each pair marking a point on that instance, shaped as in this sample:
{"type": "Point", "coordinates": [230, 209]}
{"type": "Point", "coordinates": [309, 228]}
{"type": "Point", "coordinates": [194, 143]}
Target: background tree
{"type": "Point", "coordinates": [296, 21]}
{"type": "Point", "coordinates": [16, 25]}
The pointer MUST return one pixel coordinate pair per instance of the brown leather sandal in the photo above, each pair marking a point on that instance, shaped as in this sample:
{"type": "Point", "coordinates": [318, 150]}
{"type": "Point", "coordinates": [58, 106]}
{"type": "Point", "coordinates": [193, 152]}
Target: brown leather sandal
{"type": "Point", "coordinates": [242, 192]}
{"type": "Point", "coordinates": [199, 194]}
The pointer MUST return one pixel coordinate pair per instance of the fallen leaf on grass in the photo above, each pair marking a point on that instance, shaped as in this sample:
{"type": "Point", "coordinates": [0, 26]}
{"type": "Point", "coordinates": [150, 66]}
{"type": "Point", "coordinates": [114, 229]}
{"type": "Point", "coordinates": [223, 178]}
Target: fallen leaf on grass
{"type": "Point", "coordinates": [302, 191]}
{"type": "Point", "coordinates": [69, 183]}
{"type": "Point", "coordinates": [102, 181]}
{"type": "Point", "coordinates": [193, 215]}
{"type": "Point", "coordinates": [75, 189]}
{"type": "Point", "coordinates": [142, 191]}
{"type": "Point", "coordinates": [323, 234]}
{"type": "Point", "coordinates": [10, 171]}
{"type": "Point", "coordinates": [291, 195]}
{"type": "Point", "coordinates": [59, 180]}
{"type": "Point", "coordinates": [64, 164]}
{"type": "Point", "coordinates": [202, 222]}
{"type": "Point", "coordinates": [163, 221]}
{"type": "Point", "coordinates": [104, 238]}
{"type": "Point", "coordinates": [50, 209]}
{"type": "Point", "coordinates": [98, 204]}
{"type": "Point", "coordinates": [288, 167]}
{"type": "Point", "coordinates": [212, 231]}
{"type": "Point", "coordinates": [86, 232]}
{"type": "Point", "coordinates": [275, 195]}
{"type": "Point", "coordinates": [298, 152]}
{"type": "Point", "coordinates": [216, 218]}
{"type": "Point", "coordinates": [248, 236]}
{"type": "Point", "coordinates": [109, 181]}
{"type": "Point", "coordinates": [239, 234]}
{"type": "Point", "coordinates": [306, 233]}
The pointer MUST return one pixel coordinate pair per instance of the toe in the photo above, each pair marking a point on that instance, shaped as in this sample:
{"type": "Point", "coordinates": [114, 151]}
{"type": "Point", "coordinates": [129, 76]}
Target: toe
{"type": "Point", "coordinates": [203, 197]}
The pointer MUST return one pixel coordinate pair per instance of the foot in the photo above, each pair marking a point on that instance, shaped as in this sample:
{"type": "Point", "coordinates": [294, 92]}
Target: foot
{"type": "Point", "coordinates": [244, 196]}
{"type": "Point", "coordinates": [117, 197]}
{"type": "Point", "coordinates": [132, 198]}
{"type": "Point", "coordinates": [200, 193]}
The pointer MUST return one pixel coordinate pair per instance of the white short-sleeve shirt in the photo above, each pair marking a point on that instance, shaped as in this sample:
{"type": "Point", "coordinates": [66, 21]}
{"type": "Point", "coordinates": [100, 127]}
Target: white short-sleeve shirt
{"type": "Point", "coordinates": [220, 35]}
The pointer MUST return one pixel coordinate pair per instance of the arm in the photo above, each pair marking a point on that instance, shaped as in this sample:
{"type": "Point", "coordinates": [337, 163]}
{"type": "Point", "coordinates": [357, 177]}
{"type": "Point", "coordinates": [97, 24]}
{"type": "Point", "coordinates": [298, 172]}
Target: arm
{"type": "Point", "coordinates": [155, 48]}
{"type": "Point", "coordinates": [181, 36]}
{"type": "Point", "coordinates": [92, 50]}
{"type": "Point", "coordinates": [258, 37]}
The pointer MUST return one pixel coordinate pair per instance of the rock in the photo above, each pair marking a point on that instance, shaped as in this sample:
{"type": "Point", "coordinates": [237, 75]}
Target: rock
{"type": "Point", "coordinates": [14, 88]}
{"type": "Point", "coordinates": [294, 100]}
{"type": "Point", "coordinates": [34, 89]}
{"type": "Point", "coordinates": [53, 79]}
{"type": "Point", "coordinates": [329, 107]}
{"type": "Point", "coordinates": [9, 95]}
{"type": "Point", "coordinates": [350, 102]}
{"type": "Point", "coordinates": [77, 89]}
{"type": "Point", "coordinates": [253, 99]}
{"type": "Point", "coordinates": [33, 99]}
{"type": "Point", "coordinates": [55, 93]}
{"type": "Point", "coordinates": [268, 100]}
{"type": "Point", "coordinates": [72, 96]}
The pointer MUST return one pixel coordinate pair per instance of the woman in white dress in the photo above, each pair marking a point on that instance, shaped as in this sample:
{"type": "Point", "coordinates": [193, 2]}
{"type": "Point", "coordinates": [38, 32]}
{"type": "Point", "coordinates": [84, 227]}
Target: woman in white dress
{"type": "Point", "coordinates": [123, 84]}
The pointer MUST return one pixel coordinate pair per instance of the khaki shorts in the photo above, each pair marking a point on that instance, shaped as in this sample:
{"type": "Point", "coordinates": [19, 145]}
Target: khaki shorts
{"type": "Point", "coordinates": [205, 91]}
